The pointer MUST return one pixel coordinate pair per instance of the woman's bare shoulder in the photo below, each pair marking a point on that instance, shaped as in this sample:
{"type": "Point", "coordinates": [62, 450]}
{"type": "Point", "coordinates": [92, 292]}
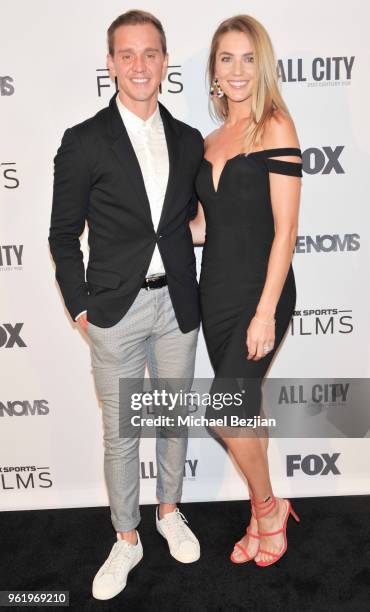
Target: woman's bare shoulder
{"type": "Point", "coordinates": [279, 131]}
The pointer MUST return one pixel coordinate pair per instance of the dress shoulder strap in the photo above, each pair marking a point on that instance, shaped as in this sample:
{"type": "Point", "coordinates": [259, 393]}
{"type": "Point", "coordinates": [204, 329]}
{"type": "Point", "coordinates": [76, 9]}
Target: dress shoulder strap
{"type": "Point", "coordinates": [280, 166]}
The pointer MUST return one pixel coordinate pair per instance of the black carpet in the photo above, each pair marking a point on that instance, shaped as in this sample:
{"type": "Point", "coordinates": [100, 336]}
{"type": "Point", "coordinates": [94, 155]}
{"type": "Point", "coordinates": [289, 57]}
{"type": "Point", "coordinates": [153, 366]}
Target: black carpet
{"type": "Point", "coordinates": [326, 567]}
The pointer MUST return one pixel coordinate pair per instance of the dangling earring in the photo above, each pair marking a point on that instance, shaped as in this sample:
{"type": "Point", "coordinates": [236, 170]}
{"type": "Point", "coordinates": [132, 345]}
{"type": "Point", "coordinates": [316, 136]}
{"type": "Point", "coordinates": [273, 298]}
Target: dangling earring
{"type": "Point", "coordinates": [216, 89]}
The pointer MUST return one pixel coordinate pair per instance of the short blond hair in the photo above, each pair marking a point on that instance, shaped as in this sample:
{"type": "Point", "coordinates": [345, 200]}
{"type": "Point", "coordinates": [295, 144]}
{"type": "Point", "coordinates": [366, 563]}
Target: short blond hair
{"type": "Point", "coordinates": [135, 18]}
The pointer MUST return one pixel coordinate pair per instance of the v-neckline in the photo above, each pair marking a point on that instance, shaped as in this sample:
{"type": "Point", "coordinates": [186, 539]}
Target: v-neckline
{"type": "Point", "coordinates": [216, 189]}
{"type": "Point", "coordinates": [274, 152]}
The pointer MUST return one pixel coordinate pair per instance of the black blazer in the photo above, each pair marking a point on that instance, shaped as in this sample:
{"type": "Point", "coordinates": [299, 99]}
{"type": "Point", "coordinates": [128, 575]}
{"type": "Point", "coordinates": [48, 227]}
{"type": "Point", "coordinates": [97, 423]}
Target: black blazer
{"type": "Point", "coordinates": [97, 178]}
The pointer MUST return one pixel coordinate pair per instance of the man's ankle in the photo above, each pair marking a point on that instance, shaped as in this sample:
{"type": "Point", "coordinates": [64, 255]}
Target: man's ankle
{"type": "Point", "coordinates": [129, 536]}
{"type": "Point", "coordinates": [165, 508]}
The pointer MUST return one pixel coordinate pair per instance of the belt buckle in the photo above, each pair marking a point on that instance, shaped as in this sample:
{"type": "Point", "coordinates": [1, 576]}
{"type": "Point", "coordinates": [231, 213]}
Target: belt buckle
{"type": "Point", "coordinates": [147, 280]}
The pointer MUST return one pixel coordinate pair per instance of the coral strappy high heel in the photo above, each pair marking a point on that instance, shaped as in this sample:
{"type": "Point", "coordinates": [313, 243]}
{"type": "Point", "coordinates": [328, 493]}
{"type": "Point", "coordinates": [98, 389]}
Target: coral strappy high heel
{"type": "Point", "coordinates": [271, 503]}
{"type": "Point", "coordinates": [234, 559]}
{"type": "Point", "coordinates": [248, 531]}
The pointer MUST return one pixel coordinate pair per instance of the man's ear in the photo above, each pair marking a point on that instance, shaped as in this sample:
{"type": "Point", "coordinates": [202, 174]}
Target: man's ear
{"type": "Point", "coordinates": [110, 66]}
{"type": "Point", "coordinates": [165, 67]}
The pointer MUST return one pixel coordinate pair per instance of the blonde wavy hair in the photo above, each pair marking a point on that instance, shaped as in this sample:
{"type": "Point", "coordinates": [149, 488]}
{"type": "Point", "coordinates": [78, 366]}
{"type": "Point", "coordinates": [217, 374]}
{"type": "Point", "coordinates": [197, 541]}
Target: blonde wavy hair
{"type": "Point", "coordinates": [266, 96]}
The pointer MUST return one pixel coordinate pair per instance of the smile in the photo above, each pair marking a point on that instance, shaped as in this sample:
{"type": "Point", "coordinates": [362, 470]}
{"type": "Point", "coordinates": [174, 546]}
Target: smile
{"type": "Point", "coordinates": [238, 84]}
{"type": "Point", "coordinates": [140, 81]}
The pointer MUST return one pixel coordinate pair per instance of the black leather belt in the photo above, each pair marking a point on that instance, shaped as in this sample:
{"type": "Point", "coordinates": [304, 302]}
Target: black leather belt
{"type": "Point", "coordinates": [155, 282]}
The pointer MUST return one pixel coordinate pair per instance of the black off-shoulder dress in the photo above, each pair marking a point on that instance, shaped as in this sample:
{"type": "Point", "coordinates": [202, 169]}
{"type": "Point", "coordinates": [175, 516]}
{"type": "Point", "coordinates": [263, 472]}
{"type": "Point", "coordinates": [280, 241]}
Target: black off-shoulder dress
{"type": "Point", "coordinates": [239, 235]}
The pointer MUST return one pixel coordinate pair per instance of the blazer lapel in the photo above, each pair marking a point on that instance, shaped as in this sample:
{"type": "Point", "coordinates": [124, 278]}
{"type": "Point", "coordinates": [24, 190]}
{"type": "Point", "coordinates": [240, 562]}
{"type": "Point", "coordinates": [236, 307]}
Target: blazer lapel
{"type": "Point", "coordinates": [174, 147]}
{"type": "Point", "coordinates": [126, 155]}
{"type": "Point", "coordinates": [123, 149]}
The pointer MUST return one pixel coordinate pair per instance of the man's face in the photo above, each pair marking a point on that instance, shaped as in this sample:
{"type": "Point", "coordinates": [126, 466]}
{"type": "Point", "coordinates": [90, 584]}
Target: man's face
{"type": "Point", "coordinates": [138, 61]}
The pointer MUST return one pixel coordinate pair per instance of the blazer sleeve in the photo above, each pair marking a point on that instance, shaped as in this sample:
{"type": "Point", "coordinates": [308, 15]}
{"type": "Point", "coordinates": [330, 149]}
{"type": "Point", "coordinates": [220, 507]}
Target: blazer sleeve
{"type": "Point", "coordinates": [193, 205]}
{"type": "Point", "coordinates": [69, 211]}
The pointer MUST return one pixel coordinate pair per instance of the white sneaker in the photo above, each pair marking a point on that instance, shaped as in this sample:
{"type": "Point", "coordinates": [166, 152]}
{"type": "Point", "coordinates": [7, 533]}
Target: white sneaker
{"type": "Point", "coordinates": [112, 577]}
{"type": "Point", "coordinates": [183, 544]}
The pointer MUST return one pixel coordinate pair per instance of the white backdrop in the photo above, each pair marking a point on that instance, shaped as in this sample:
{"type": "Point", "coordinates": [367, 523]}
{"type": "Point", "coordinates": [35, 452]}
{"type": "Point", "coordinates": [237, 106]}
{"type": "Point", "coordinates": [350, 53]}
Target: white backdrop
{"type": "Point", "coordinates": [52, 76]}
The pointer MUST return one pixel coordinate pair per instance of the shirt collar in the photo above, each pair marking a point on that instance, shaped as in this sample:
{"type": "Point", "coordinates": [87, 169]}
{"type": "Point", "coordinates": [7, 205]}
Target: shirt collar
{"type": "Point", "coordinates": [134, 123]}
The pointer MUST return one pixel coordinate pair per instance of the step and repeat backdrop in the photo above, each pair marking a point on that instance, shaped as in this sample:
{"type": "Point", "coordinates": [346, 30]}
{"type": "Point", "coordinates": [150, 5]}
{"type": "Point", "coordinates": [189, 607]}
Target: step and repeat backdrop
{"type": "Point", "coordinates": [53, 75]}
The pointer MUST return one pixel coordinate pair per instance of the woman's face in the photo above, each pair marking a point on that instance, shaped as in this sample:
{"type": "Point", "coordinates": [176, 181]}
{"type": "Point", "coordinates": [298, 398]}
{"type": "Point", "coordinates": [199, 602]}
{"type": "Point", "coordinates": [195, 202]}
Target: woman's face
{"type": "Point", "coordinates": [234, 66]}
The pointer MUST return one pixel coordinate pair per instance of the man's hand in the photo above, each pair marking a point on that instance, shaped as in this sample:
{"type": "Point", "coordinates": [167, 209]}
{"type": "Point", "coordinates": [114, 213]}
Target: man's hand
{"type": "Point", "coordinates": [83, 322]}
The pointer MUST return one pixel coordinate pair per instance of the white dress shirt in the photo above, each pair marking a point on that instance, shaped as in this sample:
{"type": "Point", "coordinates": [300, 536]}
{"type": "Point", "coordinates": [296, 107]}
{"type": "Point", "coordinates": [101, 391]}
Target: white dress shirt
{"type": "Point", "coordinates": [149, 142]}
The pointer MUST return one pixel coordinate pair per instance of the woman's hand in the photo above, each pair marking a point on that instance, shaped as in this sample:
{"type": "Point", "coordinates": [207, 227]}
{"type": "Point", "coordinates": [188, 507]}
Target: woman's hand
{"type": "Point", "coordinates": [260, 338]}
{"type": "Point", "coordinates": [198, 227]}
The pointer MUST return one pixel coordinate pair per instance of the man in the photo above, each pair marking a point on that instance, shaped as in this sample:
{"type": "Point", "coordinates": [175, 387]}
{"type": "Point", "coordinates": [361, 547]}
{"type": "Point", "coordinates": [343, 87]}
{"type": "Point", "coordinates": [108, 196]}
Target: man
{"type": "Point", "coordinates": [129, 172]}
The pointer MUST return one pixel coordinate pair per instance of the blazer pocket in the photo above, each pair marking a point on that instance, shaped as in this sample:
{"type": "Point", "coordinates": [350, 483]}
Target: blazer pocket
{"type": "Point", "coordinates": [110, 280]}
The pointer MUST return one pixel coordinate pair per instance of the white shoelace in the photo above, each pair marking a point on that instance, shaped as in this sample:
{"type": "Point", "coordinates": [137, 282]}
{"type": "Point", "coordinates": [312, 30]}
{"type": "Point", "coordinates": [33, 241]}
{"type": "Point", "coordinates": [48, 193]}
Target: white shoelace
{"type": "Point", "coordinates": [114, 561]}
{"type": "Point", "coordinates": [175, 523]}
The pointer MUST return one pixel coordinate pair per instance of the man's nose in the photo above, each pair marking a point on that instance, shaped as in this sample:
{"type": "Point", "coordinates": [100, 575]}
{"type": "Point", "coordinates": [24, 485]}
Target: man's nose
{"type": "Point", "coordinates": [139, 64]}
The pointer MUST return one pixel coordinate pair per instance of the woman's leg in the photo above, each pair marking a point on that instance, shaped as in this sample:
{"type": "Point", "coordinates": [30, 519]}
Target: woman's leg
{"type": "Point", "coordinates": [250, 454]}
{"type": "Point", "coordinates": [251, 545]}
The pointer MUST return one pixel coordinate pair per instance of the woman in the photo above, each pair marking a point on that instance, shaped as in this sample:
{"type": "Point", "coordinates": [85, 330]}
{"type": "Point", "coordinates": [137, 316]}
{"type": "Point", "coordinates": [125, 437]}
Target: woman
{"type": "Point", "coordinates": [249, 189]}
